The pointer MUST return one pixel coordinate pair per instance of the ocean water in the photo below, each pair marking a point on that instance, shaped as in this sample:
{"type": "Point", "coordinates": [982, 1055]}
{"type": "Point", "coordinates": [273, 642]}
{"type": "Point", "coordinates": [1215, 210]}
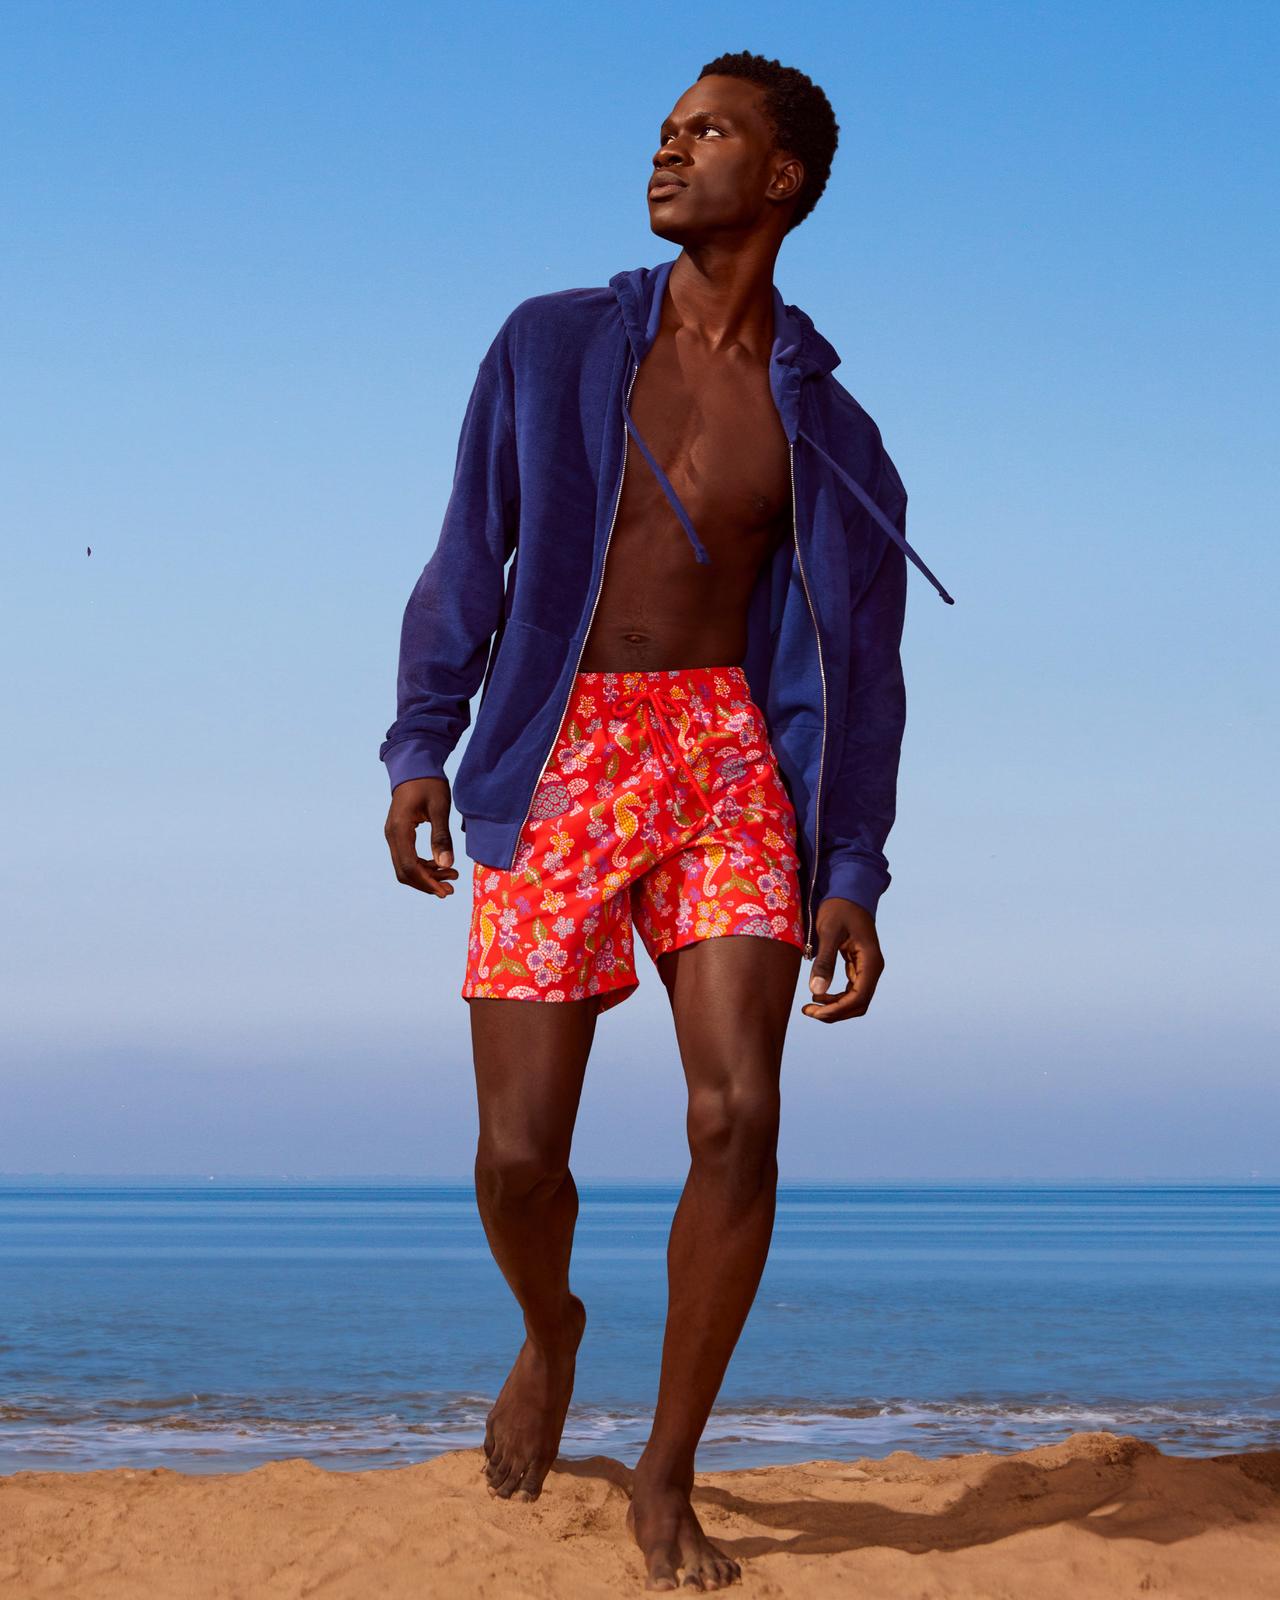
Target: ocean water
{"type": "Point", "coordinates": [211, 1327]}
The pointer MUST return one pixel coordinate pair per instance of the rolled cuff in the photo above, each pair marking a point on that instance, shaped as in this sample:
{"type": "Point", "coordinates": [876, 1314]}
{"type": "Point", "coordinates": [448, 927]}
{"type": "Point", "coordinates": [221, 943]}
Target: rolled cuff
{"type": "Point", "coordinates": [853, 879]}
{"type": "Point", "coordinates": [413, 758]}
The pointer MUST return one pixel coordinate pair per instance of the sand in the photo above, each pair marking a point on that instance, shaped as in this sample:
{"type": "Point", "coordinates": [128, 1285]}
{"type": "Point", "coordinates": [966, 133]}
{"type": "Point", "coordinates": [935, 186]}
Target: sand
{"type": "Point", "coordinates": [1100, 1514]}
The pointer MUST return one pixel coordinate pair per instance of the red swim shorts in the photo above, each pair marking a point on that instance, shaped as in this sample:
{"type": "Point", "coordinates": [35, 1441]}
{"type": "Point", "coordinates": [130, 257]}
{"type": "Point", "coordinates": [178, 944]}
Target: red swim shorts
{"type": "Point", "coordinates": [662, 803]}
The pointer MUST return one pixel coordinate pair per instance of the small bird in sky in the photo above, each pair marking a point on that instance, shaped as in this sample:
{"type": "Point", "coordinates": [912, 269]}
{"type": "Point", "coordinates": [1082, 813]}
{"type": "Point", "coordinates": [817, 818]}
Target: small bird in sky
{"type": "Point", "coordinates": [88, 549]}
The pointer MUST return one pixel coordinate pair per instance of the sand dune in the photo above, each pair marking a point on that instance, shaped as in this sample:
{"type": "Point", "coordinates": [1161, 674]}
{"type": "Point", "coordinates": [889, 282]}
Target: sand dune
{"type": "Point", "coordinates": [1097, 1515]}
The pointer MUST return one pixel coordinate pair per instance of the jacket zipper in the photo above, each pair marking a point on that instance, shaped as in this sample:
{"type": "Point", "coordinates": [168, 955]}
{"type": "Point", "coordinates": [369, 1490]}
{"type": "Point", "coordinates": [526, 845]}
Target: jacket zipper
{"type": "Point", "coordinates": [590, 619]}
{"type": "Point", "coordinates": [817, 811]}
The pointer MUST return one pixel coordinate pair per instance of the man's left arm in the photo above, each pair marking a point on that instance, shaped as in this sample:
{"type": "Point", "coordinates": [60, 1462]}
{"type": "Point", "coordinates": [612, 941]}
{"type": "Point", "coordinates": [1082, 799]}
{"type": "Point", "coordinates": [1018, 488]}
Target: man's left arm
{"type": "Point", "coordinates": [861, 799]}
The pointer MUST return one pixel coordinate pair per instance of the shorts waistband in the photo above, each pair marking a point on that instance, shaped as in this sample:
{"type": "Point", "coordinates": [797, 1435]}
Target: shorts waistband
{"type": "Point", "coordinates": [661, 677]}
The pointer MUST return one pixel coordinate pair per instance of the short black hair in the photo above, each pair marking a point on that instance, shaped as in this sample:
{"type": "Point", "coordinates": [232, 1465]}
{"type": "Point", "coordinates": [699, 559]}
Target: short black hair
{"type": "Point", "coordinates": [803, 121]}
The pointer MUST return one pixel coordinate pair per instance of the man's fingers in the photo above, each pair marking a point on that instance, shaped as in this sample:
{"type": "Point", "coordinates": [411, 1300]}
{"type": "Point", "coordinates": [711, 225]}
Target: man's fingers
{"type": "Point", "coordinates": [824, 1002]}
{"type": "Point", "coordinates": [869, 966]}
{"type": "Point", "coordinates": [420, 874]}
{"type": "Point", "coordinates": [832, 1007]}
{"type": "Point", "coordinates": [441, 842]}
{"type": "Point", "coordinates": [863, 968]}
{"type": "Point", "coordinates": [824, 963]}
{"type": "Point", "coordinates": [431, 877]}
{"type": "Point", "coordinates": [434, 879]}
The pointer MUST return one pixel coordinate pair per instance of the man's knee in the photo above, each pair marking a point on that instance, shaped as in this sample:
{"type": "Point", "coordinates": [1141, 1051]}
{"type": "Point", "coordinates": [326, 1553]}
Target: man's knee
{"type": "Point", "coordinates": [735, 1126]}
{"type": "Point", "coordinates": [511, 1172]}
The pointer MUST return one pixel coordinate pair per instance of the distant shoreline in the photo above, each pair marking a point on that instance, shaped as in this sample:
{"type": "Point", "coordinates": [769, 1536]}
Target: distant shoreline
{"type": "Point", "coordinates": [586, 1181]}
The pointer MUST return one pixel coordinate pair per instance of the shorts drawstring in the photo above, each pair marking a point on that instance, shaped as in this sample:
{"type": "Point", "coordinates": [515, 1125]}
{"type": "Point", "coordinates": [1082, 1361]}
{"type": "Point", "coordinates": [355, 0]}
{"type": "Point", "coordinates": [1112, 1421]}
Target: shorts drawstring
{"type": "Point", "coordinates": [662, 714]}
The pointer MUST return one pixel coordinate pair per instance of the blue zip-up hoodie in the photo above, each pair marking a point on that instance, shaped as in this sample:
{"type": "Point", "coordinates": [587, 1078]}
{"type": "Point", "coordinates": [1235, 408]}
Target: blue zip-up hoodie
{"type": "Point", "coordinates": [537, 483]}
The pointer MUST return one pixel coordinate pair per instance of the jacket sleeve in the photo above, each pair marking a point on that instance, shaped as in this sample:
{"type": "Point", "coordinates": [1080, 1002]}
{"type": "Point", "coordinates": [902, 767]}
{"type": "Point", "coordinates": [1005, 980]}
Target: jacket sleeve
{"type": "Point", "coordinates": [457, 603]}
{"type": "Point", "coordinates": [861, 799]}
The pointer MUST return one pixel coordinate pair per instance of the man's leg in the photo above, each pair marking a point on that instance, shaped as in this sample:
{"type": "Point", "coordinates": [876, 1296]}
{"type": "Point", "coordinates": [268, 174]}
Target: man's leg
{"type": "Point", "coordinates": [731, 998]}
{"type": "Point", "coordinates": [530, 1059]}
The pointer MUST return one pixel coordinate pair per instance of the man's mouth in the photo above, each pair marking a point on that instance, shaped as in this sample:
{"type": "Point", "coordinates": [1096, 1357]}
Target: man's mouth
{"type": "Point", "coordinates": [661, 188]}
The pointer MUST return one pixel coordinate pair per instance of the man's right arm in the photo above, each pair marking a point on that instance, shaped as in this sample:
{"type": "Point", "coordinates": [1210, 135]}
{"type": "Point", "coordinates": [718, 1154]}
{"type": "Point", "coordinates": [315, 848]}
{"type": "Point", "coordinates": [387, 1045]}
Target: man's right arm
{"type": "Point", "coordinates": [449, 622]}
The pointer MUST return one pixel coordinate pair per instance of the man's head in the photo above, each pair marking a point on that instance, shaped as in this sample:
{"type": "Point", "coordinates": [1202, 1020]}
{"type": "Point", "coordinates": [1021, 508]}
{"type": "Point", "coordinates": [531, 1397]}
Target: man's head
{"type": "Point", "coordinates": [748, 147]}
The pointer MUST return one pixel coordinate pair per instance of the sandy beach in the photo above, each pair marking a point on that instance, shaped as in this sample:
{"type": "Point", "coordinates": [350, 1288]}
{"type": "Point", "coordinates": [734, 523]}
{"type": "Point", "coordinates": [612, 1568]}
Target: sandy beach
{"type": "Point", "coordinates": [1099, 1515]}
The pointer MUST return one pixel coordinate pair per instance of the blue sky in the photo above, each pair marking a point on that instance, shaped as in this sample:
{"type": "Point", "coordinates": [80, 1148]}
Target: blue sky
{"type": "Point", "coordinates": [253, 255]}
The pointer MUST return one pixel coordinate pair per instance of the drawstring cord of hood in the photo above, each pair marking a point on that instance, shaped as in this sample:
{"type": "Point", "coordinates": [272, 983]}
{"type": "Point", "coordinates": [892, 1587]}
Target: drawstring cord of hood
{"type": "Point", "coordinates": [699, 549]}
{"type": "Point", "coordinates": [876, 512]}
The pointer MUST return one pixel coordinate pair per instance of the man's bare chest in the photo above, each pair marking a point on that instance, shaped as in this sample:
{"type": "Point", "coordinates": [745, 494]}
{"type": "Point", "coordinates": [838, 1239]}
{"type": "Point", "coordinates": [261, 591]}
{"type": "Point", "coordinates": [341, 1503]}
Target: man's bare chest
{"type": "Point", "coordinates": [712, 424]}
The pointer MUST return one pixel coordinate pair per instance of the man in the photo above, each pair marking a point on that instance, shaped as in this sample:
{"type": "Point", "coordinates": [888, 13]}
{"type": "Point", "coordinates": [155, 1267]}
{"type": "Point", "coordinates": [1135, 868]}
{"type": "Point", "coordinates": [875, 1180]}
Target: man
{"type": "Point", "coordinates": [691, 716]}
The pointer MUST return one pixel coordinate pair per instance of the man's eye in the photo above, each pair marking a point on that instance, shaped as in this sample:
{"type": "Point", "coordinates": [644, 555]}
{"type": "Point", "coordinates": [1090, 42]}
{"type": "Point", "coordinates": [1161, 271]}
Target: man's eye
{"type": "Point", "coordinates": [707, 127]}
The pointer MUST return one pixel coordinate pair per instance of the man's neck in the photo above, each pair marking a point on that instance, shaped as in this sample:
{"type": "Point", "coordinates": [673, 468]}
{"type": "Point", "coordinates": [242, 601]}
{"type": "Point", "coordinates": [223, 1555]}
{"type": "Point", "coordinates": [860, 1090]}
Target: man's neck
{"type": "Point", "coordinates": [724, 297]}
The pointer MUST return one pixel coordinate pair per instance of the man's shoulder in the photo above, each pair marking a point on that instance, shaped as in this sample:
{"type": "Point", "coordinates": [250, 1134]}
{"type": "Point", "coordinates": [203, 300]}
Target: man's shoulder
{"type": "Point", "coordinates": [857, 431]}
{"type": "Point", "coordinates": [848, 414]}
{"type": "Point", "coordinates": [561, 314]}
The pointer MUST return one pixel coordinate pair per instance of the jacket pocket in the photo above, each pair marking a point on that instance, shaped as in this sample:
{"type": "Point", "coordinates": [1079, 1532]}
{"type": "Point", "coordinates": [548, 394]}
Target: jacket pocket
{"type": "Point", "coordinates": [517, 720]}
{"type": "Point", "coordinates": [798, 749]}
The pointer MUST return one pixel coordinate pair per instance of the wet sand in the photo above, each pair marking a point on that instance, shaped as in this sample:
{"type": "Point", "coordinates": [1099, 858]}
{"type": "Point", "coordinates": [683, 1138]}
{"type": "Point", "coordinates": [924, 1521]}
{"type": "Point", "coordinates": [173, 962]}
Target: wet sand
{"type": "Point", "coordinates": [1099, 1515]}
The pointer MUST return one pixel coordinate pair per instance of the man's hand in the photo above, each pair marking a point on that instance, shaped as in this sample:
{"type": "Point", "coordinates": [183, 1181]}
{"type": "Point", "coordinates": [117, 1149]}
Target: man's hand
{"type": "Point", "coordinates": [848, 929]}
{"type": "Point", "coordinates": [413, 802]}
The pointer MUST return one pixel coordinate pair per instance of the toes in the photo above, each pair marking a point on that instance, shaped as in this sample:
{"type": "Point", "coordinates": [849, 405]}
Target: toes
{"type": "Point", "coordinates": [531, 1484]}
{"type": "Point", "coordinates": [727, 1569]}
{"type": "Point", "coordinates": [510, 1480]}
{"type": "Point", "coordinates": [662, 1573]}
{"type": "Point", "coordinates": [709, 1568]}
{"type": "Point", "coordinates": [496, 1469]}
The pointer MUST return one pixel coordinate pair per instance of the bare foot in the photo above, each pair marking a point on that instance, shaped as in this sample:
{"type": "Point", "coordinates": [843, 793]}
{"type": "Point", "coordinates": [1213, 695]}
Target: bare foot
{"type": "Point", "coordinates": [663, 1524]}
{"type": "Point", "coordinates": [522, 1433]}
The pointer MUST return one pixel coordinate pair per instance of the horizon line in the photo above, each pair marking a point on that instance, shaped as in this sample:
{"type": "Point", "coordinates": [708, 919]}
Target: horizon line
{"type": "Point", "coordinates": [1248, 1180]}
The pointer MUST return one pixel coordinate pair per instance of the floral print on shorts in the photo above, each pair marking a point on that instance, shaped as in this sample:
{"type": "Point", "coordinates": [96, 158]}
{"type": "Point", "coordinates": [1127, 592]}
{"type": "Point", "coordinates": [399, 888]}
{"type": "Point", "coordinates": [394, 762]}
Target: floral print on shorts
{"type": "Point", "coordinates": [661, 805]}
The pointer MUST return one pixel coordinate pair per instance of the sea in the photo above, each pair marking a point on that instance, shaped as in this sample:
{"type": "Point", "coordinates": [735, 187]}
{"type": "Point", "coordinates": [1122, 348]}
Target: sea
{"type": "Point", "coordinates": [211, 1326]}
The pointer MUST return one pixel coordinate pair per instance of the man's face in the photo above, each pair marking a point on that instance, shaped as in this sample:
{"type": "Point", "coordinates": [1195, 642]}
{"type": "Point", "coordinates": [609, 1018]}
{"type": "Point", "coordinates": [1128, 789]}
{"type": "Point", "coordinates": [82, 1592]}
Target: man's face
{"type": "Point", "coordinates": [714, 162]}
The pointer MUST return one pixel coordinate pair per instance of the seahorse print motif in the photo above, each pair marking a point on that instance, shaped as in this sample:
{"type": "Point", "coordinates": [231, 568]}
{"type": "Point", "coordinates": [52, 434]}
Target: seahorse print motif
{"type": "Point", "coordinates": [624, 809]}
